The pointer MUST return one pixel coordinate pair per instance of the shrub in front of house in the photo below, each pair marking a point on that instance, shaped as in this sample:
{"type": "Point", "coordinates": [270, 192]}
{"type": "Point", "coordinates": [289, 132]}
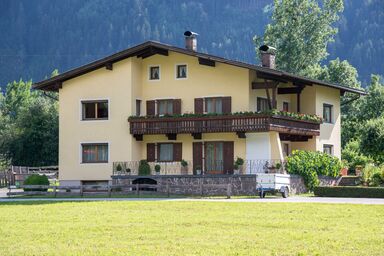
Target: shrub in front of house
{"type": "Point", "coordinates": [362, 192]}
{"type": "Point", "coordinates": [373, 175]}
{"type": "Point", "coordinates": [310, 165]}
{"type": "Point", "coordinates": [144, 168]}
{"type": "Point", "coordinates": [36, 179]}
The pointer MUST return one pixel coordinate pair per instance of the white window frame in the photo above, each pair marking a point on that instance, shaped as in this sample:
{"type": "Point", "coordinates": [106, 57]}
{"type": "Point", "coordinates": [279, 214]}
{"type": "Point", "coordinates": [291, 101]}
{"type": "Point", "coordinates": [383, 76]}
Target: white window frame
{"type": "Point", "coordinates": [329, 145]}
{"type": "Point", "coordinates": [149, 73]}
{"type": "Point", "coordinates": [94, 142]}
{"type": "Point", "coordinates": [332, 113]}
{"type": "Point", "coordinates": [93, 120]}
{"type": "Point", "coordinates": [176, 71]}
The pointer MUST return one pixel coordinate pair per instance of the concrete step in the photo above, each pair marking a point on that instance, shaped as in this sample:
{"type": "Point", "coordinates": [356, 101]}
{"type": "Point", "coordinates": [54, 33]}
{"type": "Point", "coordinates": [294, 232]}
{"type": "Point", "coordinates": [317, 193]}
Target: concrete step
{"type": "Point", "coordinates": [349, 181]}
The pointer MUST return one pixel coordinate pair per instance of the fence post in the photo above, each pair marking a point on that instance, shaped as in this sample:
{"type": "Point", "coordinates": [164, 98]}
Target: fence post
{"type": "Point", "coordinates": [167, 188]}
{"type": "Point", "coordinates": [201, 187]}
{"type": "Point", "coordinates": [109, 190]}
{"type": "Point", "coordinates": [81, 190]}
{"type": "Point", "coordinates": [54, 190]}
{"type": "Point", "coordinates": [137, 189]}
{"type": "Point", "coordinates": [229, 190]}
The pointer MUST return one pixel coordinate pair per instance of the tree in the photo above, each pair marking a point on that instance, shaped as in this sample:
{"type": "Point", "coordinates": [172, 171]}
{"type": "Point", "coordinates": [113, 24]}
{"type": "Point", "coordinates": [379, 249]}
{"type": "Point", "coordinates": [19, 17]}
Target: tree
{"type": "Point", "coordinates": [372, 139]}
{"type": "Point", "coordinates": [28, 126]}
{"type": "Point", "coordinates": [301, 30]}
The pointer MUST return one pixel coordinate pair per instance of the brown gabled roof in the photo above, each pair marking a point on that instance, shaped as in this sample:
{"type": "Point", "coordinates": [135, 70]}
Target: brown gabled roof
{"type": "Point", "coordinates": [150, 48]}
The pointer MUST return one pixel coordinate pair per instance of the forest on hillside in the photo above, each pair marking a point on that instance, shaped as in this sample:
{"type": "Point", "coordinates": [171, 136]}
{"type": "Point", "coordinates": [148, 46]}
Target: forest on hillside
{"type": "Point", "coordinates": [40, 36]}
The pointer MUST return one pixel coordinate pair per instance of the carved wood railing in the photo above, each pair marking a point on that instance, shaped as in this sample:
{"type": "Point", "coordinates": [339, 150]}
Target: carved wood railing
{"type": "Point", "coordinates": [227, 123]}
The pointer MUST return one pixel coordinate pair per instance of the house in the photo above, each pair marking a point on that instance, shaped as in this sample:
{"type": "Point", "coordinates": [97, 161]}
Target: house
{"type": "Point", "coordinates": [167, 104]}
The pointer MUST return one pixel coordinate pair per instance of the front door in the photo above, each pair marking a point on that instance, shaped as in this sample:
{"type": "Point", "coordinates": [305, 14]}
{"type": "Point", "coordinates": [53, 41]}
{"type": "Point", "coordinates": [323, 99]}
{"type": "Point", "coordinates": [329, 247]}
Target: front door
{"type": "Point", "coordinates": [214, 157]}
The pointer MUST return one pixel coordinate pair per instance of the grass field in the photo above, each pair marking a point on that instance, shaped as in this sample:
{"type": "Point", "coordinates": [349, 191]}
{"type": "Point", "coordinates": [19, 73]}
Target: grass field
{"type": "Point", "coordinates": [190, 228]}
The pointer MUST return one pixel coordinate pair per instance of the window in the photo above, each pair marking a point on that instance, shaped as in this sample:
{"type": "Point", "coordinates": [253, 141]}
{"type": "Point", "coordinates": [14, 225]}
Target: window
{"type": "Point", "coordinates": [285, 106]}
{"type": "Point", "coordinates": [328, 149]}
{"type": "Point", "coordinates": [94, 153]}
{"type": "Point", "coordinates": [285, 149]}
{"type": "Point", "coordinates": [154, 73]}
{"type": "Point", "coordinates": [138, 107]}
{"type": "Point", "coordinates": [262, 104]}
{"type": "Point", "coordinates": [214, 105]}
{"type": "Point", "coordinates": [165, 107]}
{"type": "Point", "coordinates": [181, 71]}
{"type": "Point", "coordinates": [327, 113]}
{"type": "Point", "coordinates": [92, 110]}
{"type": "Point", "coordinates": [165, 152]}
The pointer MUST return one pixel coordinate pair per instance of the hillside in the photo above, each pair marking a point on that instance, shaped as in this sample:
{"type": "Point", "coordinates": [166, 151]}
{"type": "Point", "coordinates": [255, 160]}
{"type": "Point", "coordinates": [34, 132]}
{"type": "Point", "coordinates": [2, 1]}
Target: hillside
{"type": "Point", "coordinates": [37, 38]}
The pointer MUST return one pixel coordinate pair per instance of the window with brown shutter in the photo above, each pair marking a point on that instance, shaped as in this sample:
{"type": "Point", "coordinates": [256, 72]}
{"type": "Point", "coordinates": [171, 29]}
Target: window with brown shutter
{"type": "Point", "coordinates": [177, 106]}
{"type": "Point", "coordinates": [199, 105]}
{"type": "Point", "coordinates": [177, 152]}
{"type": "Point", "coordinates": [227, 105]}
{"type": "Point", "coordinates": [151, 107]}
{"type": "Point", "coordinates": [228, 157]}
{"type": "Point", "coordinates": [197, 156]}
{"type": "Point", "coordinates": [151, 152]}
{"type": "Point", "coordinates": [164, 107]}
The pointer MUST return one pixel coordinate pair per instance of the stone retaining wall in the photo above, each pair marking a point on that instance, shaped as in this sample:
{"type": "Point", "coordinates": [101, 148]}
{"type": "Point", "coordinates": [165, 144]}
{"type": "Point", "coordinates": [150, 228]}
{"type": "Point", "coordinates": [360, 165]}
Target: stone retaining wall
{"type": "Point", "coordinates": [211, 185]}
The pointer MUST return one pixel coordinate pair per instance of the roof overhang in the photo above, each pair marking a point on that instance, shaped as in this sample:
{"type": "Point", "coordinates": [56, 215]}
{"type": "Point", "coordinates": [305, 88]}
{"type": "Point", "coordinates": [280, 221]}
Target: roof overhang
{"type": "Point", "coordinates": [150, 48]}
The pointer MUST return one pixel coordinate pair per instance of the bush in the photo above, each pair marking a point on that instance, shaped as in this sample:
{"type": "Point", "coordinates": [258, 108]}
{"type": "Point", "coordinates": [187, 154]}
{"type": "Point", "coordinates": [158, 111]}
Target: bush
{"type": "Point", "coordinates": [364, 192]}
{"type": "Point", "coordinates": [373, 175]}
{"type": "Point", "coordinates": [309, 165]}
{"type": "Point", "coordinates": [36, 179]}
{"type": "Point", "coordinates": [144, 168]}
{"type": "Point", "coordinates": [353, 156]}
{"type": "Point", "coordinates": [157, 168]}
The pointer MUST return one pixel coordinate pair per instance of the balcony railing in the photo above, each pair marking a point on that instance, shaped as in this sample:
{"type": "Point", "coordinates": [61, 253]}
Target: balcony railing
{"type": "Point", "coordinates": [223, 123]}
{"type": "Point", "coordinates": [208, 168]}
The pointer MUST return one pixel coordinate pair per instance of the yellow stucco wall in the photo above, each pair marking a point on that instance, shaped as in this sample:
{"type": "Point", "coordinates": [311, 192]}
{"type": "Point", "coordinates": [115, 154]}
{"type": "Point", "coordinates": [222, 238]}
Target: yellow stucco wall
{"type": "Point", "coordinates": [100, 84]}
{"type": "Point", "coordinates": [128, 81]}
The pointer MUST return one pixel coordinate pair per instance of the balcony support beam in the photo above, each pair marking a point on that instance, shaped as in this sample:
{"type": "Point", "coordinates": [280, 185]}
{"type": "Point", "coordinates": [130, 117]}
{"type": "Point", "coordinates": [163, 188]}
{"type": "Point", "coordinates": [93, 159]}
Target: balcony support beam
{"type": "Point", "coordinates": [241, 135]}
{"type": "Point", "coordinates": [197, 136]}
{"type": "Point", "coordinates": [172, 136]}
{"type": "Point", "coordinates": [138, 137]}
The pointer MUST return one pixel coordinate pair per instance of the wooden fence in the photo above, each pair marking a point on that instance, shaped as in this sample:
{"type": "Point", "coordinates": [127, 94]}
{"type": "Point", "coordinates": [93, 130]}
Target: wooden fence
{"type": "Point", "coordinates": [110, 190]}
{"type": "Point", "coordinates": [3, 179]}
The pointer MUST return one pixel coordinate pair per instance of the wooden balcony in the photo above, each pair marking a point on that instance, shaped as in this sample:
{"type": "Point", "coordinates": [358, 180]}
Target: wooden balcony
{"type": "Point", "coordinates": [239, 124]}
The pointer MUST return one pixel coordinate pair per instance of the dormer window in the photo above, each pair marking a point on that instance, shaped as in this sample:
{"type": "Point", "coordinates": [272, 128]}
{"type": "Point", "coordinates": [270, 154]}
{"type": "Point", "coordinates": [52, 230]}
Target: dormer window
{"type": "Point", "coordinates": [154, 73]}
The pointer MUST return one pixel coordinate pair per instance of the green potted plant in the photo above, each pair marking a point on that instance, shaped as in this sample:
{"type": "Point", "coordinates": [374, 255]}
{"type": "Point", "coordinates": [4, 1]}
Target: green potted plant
{"type": "Point", "coordinates": [157, 169]}
{"type": "Point", "coordinates": [144, 168]}
{"type": "Point", "coordinates": [184, 167]}
{"type": "Point", "coordinates": [198, 169]}
{"type": "Point", "coordinates": [238, 167]}
{"type": "Point", "coordinates": [118, 168]}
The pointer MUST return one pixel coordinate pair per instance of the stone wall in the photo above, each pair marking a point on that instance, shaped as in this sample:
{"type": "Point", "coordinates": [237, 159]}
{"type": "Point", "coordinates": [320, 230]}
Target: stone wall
{"type": "Point", "coordinates": [212, 185]}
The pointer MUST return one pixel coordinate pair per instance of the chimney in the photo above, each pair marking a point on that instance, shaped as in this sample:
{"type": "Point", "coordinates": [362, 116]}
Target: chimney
{"type": "Point", "coordinates": [267, 56]}
{"type": "Point", "coordinates": [190, 40]}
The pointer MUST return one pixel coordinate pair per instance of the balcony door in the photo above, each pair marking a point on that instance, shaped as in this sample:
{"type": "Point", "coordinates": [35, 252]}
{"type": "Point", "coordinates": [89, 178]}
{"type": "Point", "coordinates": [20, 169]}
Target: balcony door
{"type": "Point", "coordinates": [215, 156]}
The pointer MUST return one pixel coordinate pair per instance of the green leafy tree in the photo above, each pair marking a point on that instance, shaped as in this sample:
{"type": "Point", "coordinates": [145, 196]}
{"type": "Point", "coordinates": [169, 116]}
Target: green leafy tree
{"type": "Point", "coordinates": [372, 139]}
{"type": "Point", "coordinates": [301, 30]}
{"type": "Point", "coordinates": [28, 126]}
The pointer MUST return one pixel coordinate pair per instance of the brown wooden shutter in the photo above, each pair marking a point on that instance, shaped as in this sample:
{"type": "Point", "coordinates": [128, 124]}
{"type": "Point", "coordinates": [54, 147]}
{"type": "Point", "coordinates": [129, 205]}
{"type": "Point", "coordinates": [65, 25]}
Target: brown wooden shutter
{"type": "Point", "coordinates": [227, 105]}
{"type": "Point", "coordinates": [199, 105]}
{"type": "Point", "coordinates": [228, 157]}
{"type": "Point", "coordinates": [151, 107]}
{"type": "Point", "coordinates": [177, 107]}
{"type": "Point", "coordinates": [177, 152]}
{"type": "Point", "coordinates": [197, 155]}
{"type": "Point", "coordinates": [151, 152]}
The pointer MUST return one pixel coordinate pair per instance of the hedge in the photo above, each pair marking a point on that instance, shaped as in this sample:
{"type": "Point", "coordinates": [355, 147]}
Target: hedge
{"type": "Point", "coordinates": [365, 192]}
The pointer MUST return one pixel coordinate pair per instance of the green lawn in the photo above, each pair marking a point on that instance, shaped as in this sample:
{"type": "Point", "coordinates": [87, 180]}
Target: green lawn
{"type": "Point", "coordinates": [190, 228]}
